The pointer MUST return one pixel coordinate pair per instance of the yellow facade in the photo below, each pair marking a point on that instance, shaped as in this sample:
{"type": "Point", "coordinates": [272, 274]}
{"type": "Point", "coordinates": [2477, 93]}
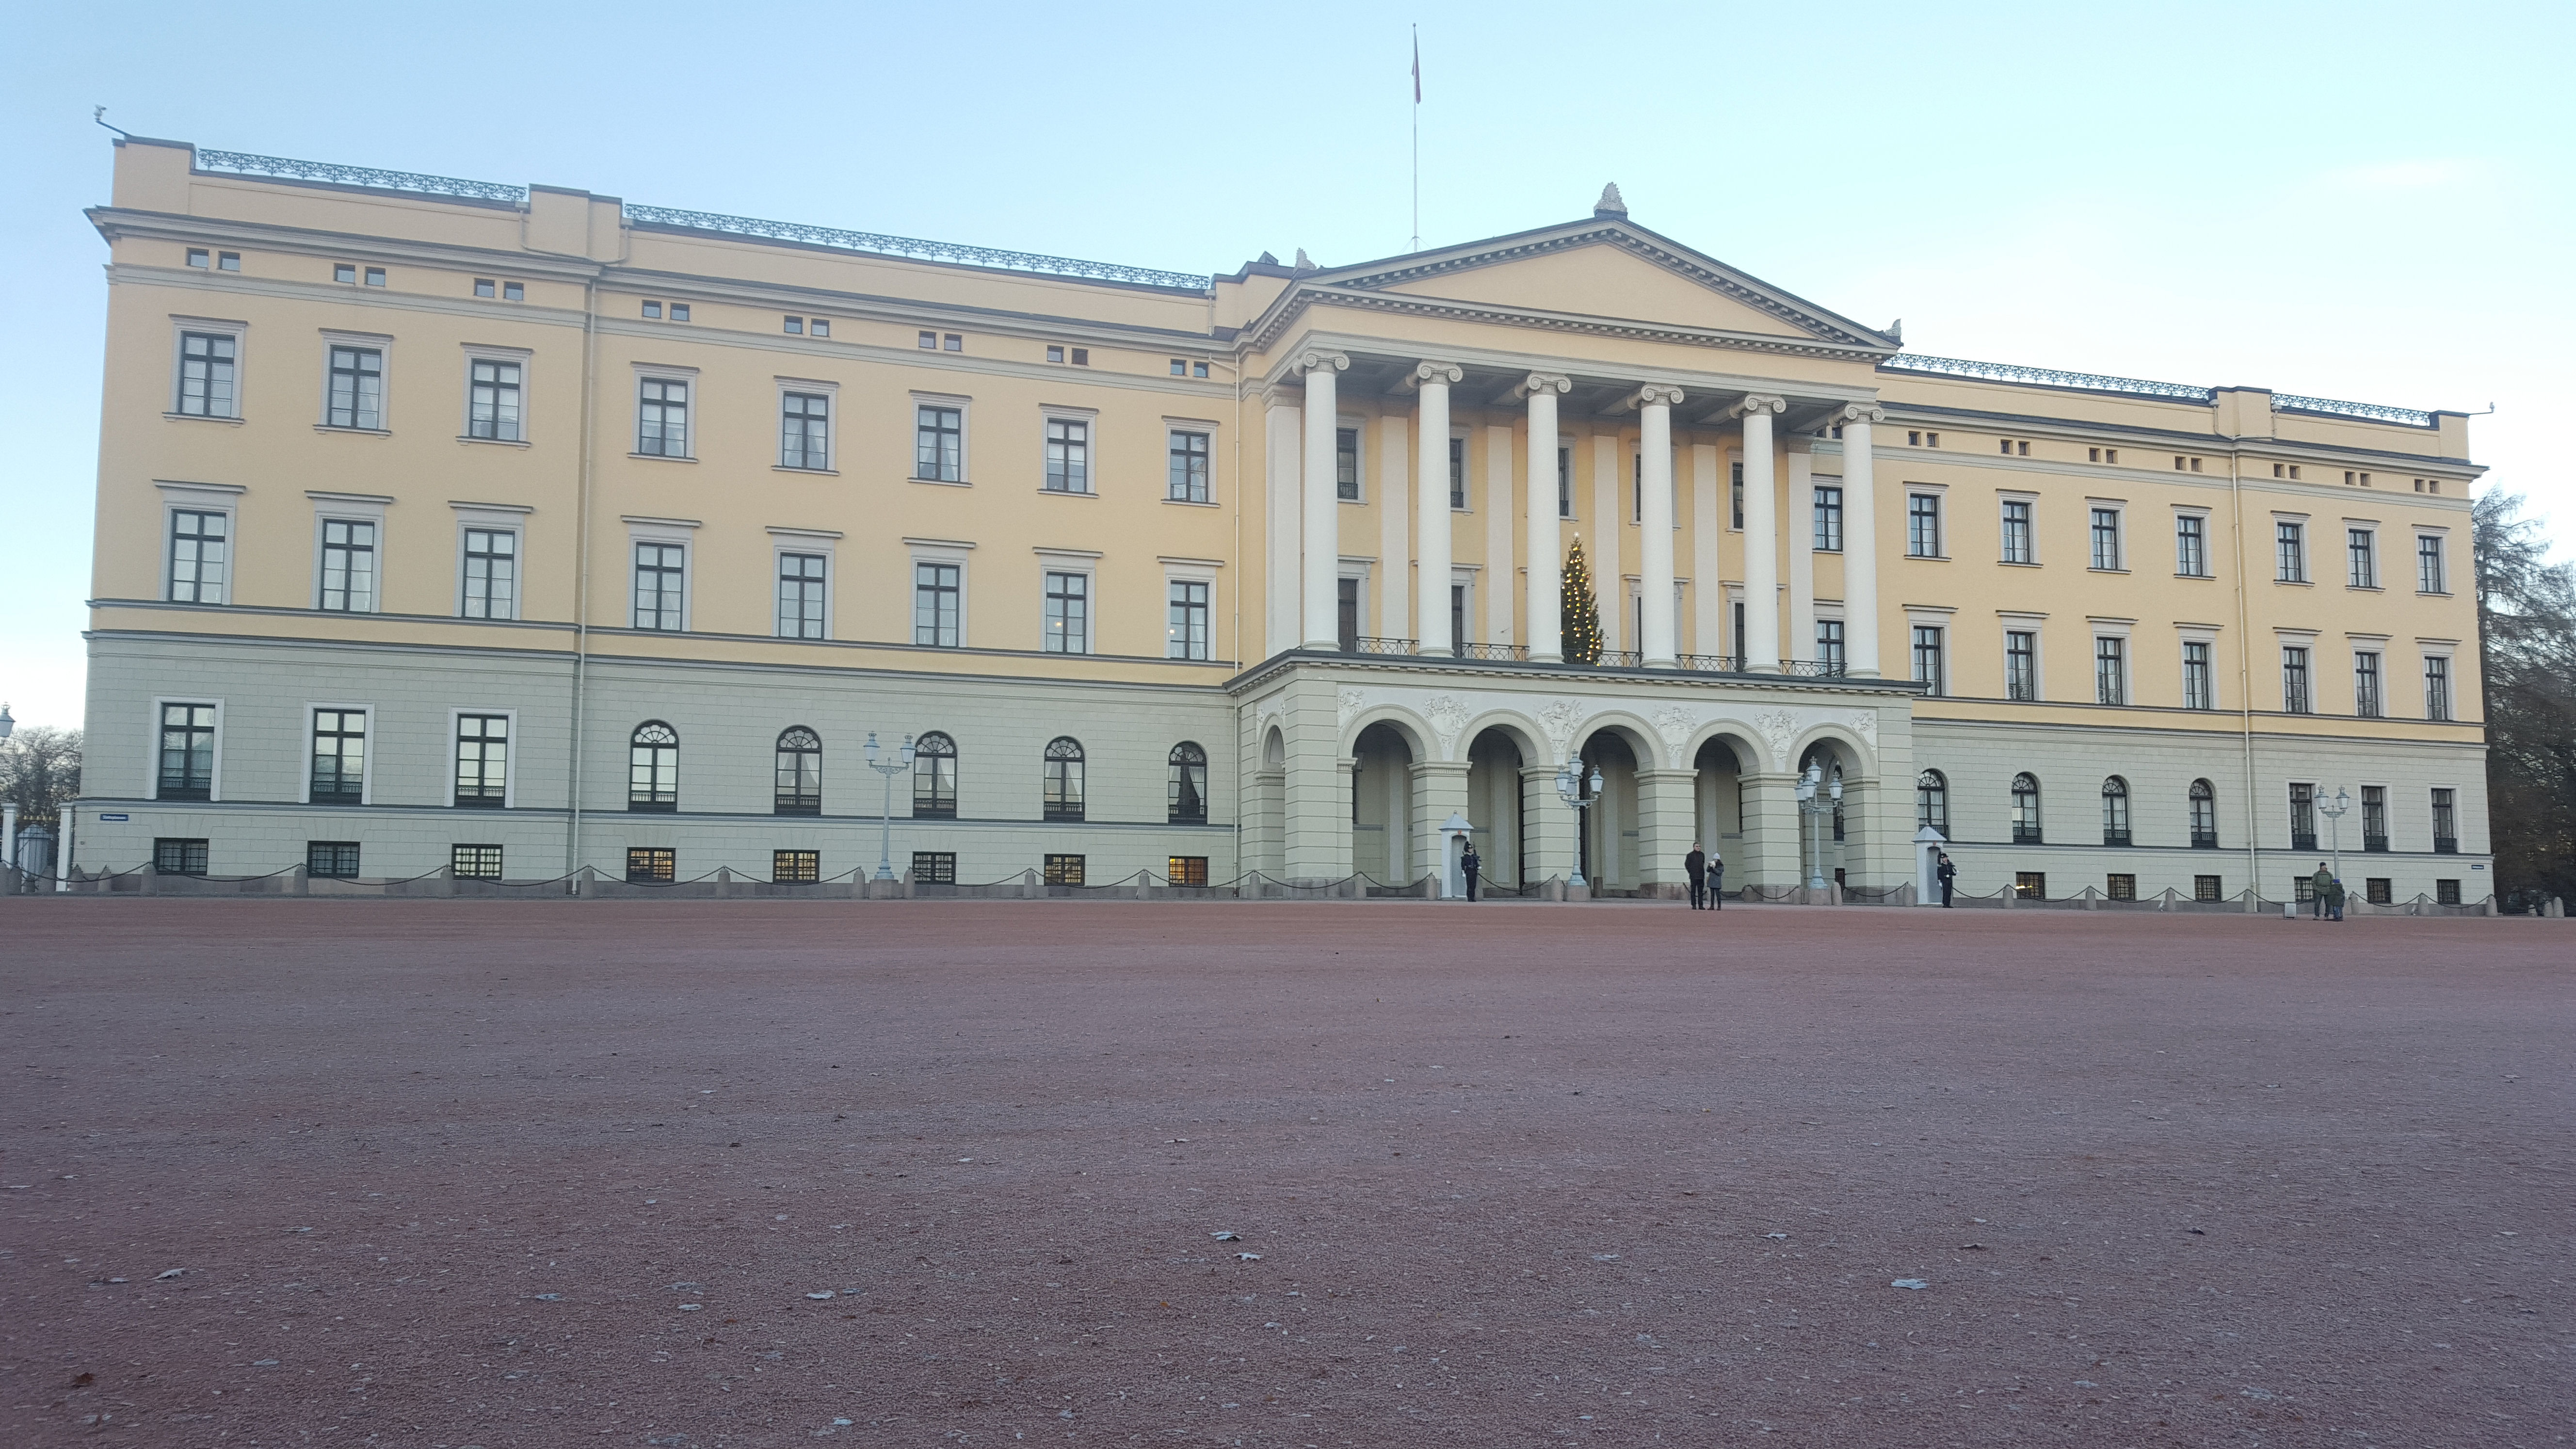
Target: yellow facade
{"type": "Point", "coordinates": [1622, 330]}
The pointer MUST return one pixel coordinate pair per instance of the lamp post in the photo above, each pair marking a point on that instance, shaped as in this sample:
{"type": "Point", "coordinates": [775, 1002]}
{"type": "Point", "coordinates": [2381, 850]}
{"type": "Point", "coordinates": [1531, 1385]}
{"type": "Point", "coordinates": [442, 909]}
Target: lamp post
{"type": "Point", "coordinates": [889, 768]}
{"type": "Point", "coordinates": [1569, 788]}
{"type": "Point", "coordinates": [1816, 798]}
{"type": "Point", "coordinates": [2334, 822]}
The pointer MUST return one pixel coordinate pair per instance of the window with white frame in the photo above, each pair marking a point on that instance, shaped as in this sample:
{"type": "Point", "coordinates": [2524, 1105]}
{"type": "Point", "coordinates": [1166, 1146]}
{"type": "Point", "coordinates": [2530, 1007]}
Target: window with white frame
{"type": "Point", "coordinates": [1923, 525]}
{"type": "Point", "coordinates": [491, 574]}
{"type": "Point", "coordinates": [2110, 670]}
{"type": "Point", "coordinates": [357, 388]}
{"type": "Point", "coordinates": [200, 545]}
{"type": "Point", "coordinates": [662, 417]}
{"type": "Point", "coordinates": [339, 770]}
{"type": "Point", "coordinates": [804, 430]}
{"type": "Point", "coordinates": [2199, 683]}
{"type": "Point", "coordinates": [2191, 545]}
{"type": "Point", "coordinates": [187, 752]}
{"type": "Point", "coordinates": [801, 597]}
{"type": "Point", "coordinates": [492, 399]}
{"type": "Point", "coordinates": [2106, 539]}
{"type": "Point", "coordinates": [1068, 455]}
{"type": "Point", "coordinates": [2437, 686]}
{"type": "Point", "coordinates": [1928, 662]}
{"type": "Point", "coordinates": [2021, 664]}
{"type": "Point", "coordinates": [2017, 532]}
{"type": "Point", "coordinates": [2296, 697]}
{"type": "Point", "coordinates": [661, 584]}
{"type": "Point", "coordinates": [937, 603]}
{"type": "Point", "coordinates": [207, 381]}
{"type": "Point", "coordinates": [1186, 630]}
{"type": "Point", "coordinates": [1066, 628]}
{"type": "Point", "coordinates": [348, 584]}
{"type": "Point", "coordinates": [1188, 482]}
{"type": "Point", "coordinates": [1735, 495]}
{"type": "Point", "coordinates": [1458, 471]}
{"type": "Point", "coordinates": [2290, 551]}
{"type": "Point", "coordinates": [482, 761]}
{"type": "Point", "coordinates": [2361, 558]}
{"type": "Point", "coordinates": [2431, 577]}
{"type": "Point", "coordinates": [1830, 655]}
{"type": "Point", "coordinates": [1564, 480]}
{"type": "Point", "coordinates": [939, 442]}
{"type": "Point", "coordinates": [2368, 694]}
{"type": "Point", "coordinates": [1829, 519]}
{"type": "Point", "coordinates": [1346, 464]}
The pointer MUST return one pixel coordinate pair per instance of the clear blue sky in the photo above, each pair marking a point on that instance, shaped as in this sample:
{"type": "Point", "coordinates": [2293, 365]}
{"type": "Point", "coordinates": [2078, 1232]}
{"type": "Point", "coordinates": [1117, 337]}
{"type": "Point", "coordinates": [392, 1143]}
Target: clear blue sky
{"type": "Point", "coordinates": [2356, 201]}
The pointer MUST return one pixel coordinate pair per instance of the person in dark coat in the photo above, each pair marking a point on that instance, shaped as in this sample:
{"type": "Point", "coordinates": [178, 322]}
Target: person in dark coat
{"type": "Point", "coordinates": [1716, 882]}
{"type": "Point", "coordinates": [1695, 865]}
{"type": "Point", "coordinates": [1947, 873]}
{"type": "Point", "coordinates": [1471, 863]}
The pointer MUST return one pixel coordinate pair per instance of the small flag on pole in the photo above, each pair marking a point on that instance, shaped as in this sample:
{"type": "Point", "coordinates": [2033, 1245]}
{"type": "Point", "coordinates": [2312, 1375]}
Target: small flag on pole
{"type": "Point", "coordinates": [1417, 65]}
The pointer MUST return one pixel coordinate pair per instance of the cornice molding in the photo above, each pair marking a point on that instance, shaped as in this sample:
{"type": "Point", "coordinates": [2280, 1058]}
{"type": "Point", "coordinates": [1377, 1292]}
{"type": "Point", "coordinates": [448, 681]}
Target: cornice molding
{"type": "Point", "coordinates": [1275, 323]}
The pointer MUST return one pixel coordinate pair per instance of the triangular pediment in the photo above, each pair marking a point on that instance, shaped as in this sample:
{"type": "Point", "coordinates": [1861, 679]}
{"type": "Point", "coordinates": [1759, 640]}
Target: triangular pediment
{"type": "Point", "coordinates": [1612, 270]}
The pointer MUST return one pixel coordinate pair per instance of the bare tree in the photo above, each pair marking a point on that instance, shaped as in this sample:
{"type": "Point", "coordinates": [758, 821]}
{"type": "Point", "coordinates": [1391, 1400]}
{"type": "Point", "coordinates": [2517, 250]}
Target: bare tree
{"type": "Point", "coordinates": [40, 772]}
{"type": "Point", "coordinates": [2527, 658]}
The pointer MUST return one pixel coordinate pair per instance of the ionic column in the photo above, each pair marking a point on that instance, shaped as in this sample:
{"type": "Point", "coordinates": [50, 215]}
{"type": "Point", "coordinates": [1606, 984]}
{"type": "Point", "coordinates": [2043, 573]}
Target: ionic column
{"type": "Point", "coordinates": [1655, 525]}
{"type": "Point", "coordinates": [1761, 644]}
{"type": "Point", "coordinates": [1546, 535]}
{"type": "Point", "coordinates": [1800, 528]}
{"type": "Point", "coordinates": [1860, 540]}
{"type": "Point", "coordinates": [1322, 573]}
{"type": "Point", "coordinates": [1431, 506]}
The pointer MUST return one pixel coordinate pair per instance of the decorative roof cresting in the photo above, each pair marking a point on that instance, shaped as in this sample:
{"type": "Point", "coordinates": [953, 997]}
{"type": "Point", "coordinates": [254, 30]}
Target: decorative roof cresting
{"type": "Point", "coordinates": [247, 164]}
{"type": "Point", "coordinates": [863, 241]}
{"type": "Point", "coordinates": [2142, 387]}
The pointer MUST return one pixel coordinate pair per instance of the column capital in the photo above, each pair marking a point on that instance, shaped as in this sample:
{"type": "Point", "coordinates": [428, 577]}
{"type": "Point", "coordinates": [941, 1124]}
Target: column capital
{"type": "Point", "coordinates": [1861, 413]}
{"type": "Point", "coordinates": [1758, 403]}
{"type": "Point", "coordinates": [1541, 382]}
{"type": "Point", "coordinates": [1652, 395]}
{"type": "Point", "coordinates": [1321, 361]}
{"type": "Point", "coordinates": [1447, 374]}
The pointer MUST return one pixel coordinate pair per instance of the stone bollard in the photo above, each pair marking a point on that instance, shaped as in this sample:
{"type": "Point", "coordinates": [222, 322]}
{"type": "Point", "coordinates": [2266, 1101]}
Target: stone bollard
{"type": "Point", "coordinates": [724, 882]}
{"type": "Point", "coordinates": [586, 885]}
{"type": "Point", "coordinates": [152, 879]}
{"type": "Point", "coordinates": [299, 882]}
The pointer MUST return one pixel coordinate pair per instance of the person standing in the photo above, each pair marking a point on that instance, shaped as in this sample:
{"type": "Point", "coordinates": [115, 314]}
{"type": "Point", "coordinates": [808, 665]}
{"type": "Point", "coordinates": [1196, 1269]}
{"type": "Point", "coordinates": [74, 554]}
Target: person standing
{"type": "Point", "coordinates": [2334, 899]}
{"type": "Point", "coordinates": [1948, 875]}
{"type": "Point", "coordinates": [1695, 865]}
{"type": "Point", "coordinates": [1716, 881]}
{"type": "Point", "coordinates": [2318, 885]}
{"type": "Point", "coordinates": [1471, 864]}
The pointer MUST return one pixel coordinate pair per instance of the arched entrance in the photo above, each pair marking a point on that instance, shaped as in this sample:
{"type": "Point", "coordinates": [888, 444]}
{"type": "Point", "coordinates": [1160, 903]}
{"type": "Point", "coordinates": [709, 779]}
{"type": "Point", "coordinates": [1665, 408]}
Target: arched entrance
{"type": "Point", "coordinates": [1495, 804]}
{"type": "Point", "coordinates": [1382, 805]}
{"type": "Point", "coordinates": [1718, 794]}
{"type": "Point", "coordinates": [1608, 850]}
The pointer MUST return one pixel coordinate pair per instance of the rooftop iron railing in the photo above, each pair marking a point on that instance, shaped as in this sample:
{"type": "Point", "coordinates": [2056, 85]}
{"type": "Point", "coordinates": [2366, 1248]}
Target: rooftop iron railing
{"type": "Point", "coordinates": [904, 246]}
{"type": "Point", "coordinates": [244, 163]}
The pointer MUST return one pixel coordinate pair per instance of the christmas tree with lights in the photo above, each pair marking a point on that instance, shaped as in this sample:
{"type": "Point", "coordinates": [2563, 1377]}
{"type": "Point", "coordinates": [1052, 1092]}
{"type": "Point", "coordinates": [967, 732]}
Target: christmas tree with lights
{"type": "Point", "coordinates": [1582, 618]}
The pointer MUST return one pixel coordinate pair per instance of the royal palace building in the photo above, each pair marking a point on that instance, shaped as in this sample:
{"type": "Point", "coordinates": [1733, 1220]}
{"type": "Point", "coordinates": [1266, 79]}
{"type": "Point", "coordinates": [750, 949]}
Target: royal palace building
{"type": "Point", "coordinates": [515, 530]}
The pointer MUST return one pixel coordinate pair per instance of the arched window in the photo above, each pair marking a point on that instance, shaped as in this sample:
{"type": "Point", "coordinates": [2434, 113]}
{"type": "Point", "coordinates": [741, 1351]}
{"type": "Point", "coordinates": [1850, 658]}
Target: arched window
{"type": "Point", "coordinates": [800, 771]}
{"type": "Point", "coordinates": [2115, 811]}
{"type": "Point", "coordinates": [2025, 809]}
{"type": "Point", "coordinates": [1834, 776]}
{"type": "Point", "coordinates": [934, 777]}
{"type": "Point", "coordinates": [653, 767]}
{"type": "Point", "coordinates": [2204, 815]}
{"type": "Point", "coordinates": [1064, 778]}
{"type": "Point", "coordinates": [1187, 802]}
{"type": "Point", "coordinates": [1932, 802]}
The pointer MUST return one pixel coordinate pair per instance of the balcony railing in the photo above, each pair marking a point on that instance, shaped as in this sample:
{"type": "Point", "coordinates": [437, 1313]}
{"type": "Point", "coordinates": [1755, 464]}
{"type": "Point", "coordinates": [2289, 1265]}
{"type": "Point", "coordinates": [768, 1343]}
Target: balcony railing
{"type": "Point", "coordinates": [2204, 840]}
{"type": "Point", "coordinates": [2115, 837]}
{"type": "Point", "coordinates": [2303, 840]}
{"type": "Point", "coordinates": [2446, 845]}
{"type": "Point", "coordinates": [1621, 659]}
{"type": "Point", "coordinates": [1493, 651]}
{"type": "Point", "coordinates": [1368, 644]}
{"type": "Point", "coordinates": [1610, 658]}
{"type": "Point", "coordinates": [2376, 844]}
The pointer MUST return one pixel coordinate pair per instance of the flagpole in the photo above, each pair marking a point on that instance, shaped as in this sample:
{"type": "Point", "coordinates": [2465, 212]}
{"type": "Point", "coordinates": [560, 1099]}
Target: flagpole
{"type": "Point", "coordinates": [1417, 138]}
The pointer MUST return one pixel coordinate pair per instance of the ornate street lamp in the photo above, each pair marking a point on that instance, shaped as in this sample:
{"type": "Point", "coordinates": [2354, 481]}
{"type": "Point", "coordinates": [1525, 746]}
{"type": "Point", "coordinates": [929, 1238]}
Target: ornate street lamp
{"type": "Point", "coordinates": [890, 768]}
{"type": "Point", "coordinates": [1569, 788]}
{"type": "Point", "coordinates": [7, 725]}
{"type": "Point", "coordinates": [2334, 820]}
{"type": "Point", "coordinates": [1817, 798]}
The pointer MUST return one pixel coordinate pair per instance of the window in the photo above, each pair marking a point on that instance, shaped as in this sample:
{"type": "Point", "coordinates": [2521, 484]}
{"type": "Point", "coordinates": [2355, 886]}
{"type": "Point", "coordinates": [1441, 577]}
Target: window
{"type": "Point", "coordinates": [2106, 538]}
{"type": "Point", "coordinates": [2289, 470]}
{"type": "Point", "coordinates": [348, 272]}
{"type": "Point", "coordinates": [2430, 577]}
{"type": "Point", "coordinates": [653, 767]}
{"type": "Point", "coordinates": [1458, 620]}
{"type": "Point", "coordinates": [197, 539]}
{"type": "Point", "coordinates": [929, 341]}
{"type": "Point", "coordinates": [1564, 482]}
{"type": "Point", "coordinates": [2446, 892]}
{"type": "Point", "coordinates": [1346, 464]}
{"type": "Point", "coordinates": [1829, 520]}
{"type": "Point", "coordinates": [2021, 664]}
{"type": "Point", "coordinates": [2204, 888]}
{"type": "Point", "coordinates": [2352, 479]}
{"type": "Point", "coordinates": [1064, 870]}
{"type": "Point", "coordinates": [2366, 699]}
{"type": "Point", "coordinates": [799, 788]}
{"type": "Point", "coordinates": [2121, 887]}
{"type": "Point", "coordinates": [492, 400]}
{"type": "Point", "coordinates": [339, 757]}
{"type": "Point", "coordinates": [2198, 683]}
{"type": "Point", "coordinates": [1923, 525]}
{"type": "Point", "coordinates": [1081, 356]}
{"type": "Point", "coordinates": [801, 580]}
{"type": "Point", "coordinates": [2030, 885]}
{"type": "Point", "coordinates": [348, 566]}
{"type": "Point", "coordinates": [1068, 456]}
{"type": "Point", "coordinates": [1735, 496]}
{"type": "Point", "coordinates": [2290, 542]}
{"type": "Point", "coordinates": [1186, 870]}
{"type": "Point", "coordinates": [1932, 801]}
{"type": "Point", "coordinates": [1347, 622]}
{"type": "Point", "coordinates": [934, 777]}
{"type": "Point", "coordinates": [662, 418]}
{"type": "Point", "coordinates": [1189, 481]}
{"type": "Point", "coordinates": [2184, 464]}
{"type": "Point", "coordinates": [818, 327]}
{"type": "Point", "coordinates": [2191, 546]}
{"type": "Point", "coordinates": [1927, 658]}
{"type": "Point", "coordinates": [934, 604]}
{"type": "Point", "coordinates": [939, 443]}
{"type": "Point", "coordinates": [179, 857]}
{"type": "Point", "coordinates": [200, 257]}
{"type": "Point", "coordinates": [2102, 455]}
{"type": "Point", "coordinates": [486, 287]}
{"type": "Point", "coordinates": [2294, 680]}
{"type": "Point", "coordinates": [2110, 671]}
{"type": "Point", "coordinates": [2115, 811]}
{"type": "Point", "coordinates": [1063, 779]}
{"type": "Point", "coordinates": [804, 430]}
{"type": "Point", "coordinates": [2017, 542]}
{"type": "Point", "coordinates": [206, 374]}
{"type": "Point", "coordinates": [951, 342]}
{"type": "Point", "coordinates": [2015, 447]}
{"type": "Point", "coordinates": [357, 388]}
{"type": "Point", "coordinates": [2379, 891]}
{"type": "Point", "coordinates": [1186, 636]}
{"type": "Point", "coordinates": [796, 867]}
{"type": "Point", "coordinates": [1457, 472]}
{"type": "Point", "coordinates": [651, 865]}
{"type": "Point", "coordinates": [2361, 558]}
{"type": "Point", "coordinates": [2303, 817]}
{"type": "Point", "coordinates": [2374, 817]}
{"type": "Point", "coordinates": [793, 326]}
{"type": "Point", "coordinates": [331, 859]}
{"type": "Point", "coordinates": [491, 574]}
{"type": "Point", "coordinates": [2204, 816]}
{"type": "Point", "coordinates": [1829, 645]}
{"type": "Point", "coordinates": [187, 752]}
{"type": "Point", "coordinates": [376, 278]}
{"type": "Point", "coordinates": [934, 867]}
{"type": "Point", "coordinates": [474, 862]}
{"type": "Point", "coordinates": [661, 572]}
{"type": "Point", "coordinates": [2025, 809]}
{"type": "Point", "coordinates": [2437, 687]}
{"type": "Point", "coordinates": [1922, 440]}
{"type": "Point", "coordinates": [1068, 614]}
{"type": "Point", "coordinates": [482, 760]}
{"type": "Point", "coordinates": [1186, 799]}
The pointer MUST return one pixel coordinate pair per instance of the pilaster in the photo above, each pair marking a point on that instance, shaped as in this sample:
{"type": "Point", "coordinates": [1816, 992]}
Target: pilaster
{"type": "Point", "coordinates": [1770, 832]}
{"type": "Point", "coordinates": [1667, 807]}
{"type": "Point", "coordinates": [1315, 834]}
{"type": "Point", "coordinates": [1549, 823]}
{"type": "Point", "coordinates": [1439, 788]}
